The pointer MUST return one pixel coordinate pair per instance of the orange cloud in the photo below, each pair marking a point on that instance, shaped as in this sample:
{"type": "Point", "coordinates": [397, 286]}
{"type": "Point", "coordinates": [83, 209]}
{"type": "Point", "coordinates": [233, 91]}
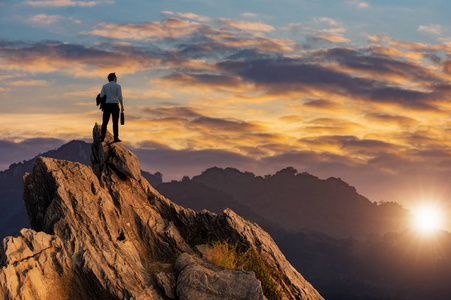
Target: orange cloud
{"type": "Point", "coordinates": [194, 17]}
{"type": "Point", "coordinates": [333, 35]}
{"type": "Point", "coordinates": [244, 25]}
{"type": "Point", "coordinates": [28, 83]}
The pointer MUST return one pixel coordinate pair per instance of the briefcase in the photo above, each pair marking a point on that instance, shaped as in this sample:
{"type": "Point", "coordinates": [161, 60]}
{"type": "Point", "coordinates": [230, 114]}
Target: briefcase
{"type": "Point", "coordinates": [122, 118]}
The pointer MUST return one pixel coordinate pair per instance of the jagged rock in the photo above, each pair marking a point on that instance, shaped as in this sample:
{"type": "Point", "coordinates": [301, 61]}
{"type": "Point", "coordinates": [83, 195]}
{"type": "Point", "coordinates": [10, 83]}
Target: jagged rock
{"type": "Point", "coordinates": [105, 233]}
{"type": "Point", "coordinates": [203, 281]}
{"type": "Point", "coordinates": [110, 155]}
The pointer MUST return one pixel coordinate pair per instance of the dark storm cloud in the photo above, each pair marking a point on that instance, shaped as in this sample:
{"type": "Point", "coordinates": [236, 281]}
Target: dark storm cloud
{"type": "Point", "coordinates": [206, 80]}
{"type": "Point", "coordinates": [57, 50]}
{"type": "Point", "coordinates": [387, 119]}
{"type": "Point", "coordinates": [284, 75]}
{"type": "Point", "coordinates": [350, 145]}
{"type": "Point", "coordinates": [222, 125]}
{"type": "Point", "coordinates": [45, 57]}
{"type": "Point", "coordinates": [367, 146]}
{"type": "Point", "coordinates": [376, 64]}
{"type": "Point", "coordinates": [321, 103]}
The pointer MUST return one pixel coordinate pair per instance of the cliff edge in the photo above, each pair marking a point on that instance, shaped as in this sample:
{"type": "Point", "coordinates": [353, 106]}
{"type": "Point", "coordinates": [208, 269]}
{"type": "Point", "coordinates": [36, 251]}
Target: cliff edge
{"type": "Point", "coordinates": [103, 232]}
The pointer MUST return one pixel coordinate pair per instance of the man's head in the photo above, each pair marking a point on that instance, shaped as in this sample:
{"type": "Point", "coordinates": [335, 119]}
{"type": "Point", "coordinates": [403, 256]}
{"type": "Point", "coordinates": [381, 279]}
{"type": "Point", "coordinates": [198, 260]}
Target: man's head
{"type": "Point", "coordinates": [112, 76]}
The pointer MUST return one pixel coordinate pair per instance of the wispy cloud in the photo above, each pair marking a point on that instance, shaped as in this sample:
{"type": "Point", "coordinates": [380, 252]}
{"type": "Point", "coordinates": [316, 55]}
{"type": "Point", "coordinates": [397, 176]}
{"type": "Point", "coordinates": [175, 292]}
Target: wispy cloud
{"type": "Point", "coordinates": [329, 21]}
{"type": "Point", "coordinates": [250, 15]}
{"type": "Point", "coordinates": [63, 3]}
{"type": "Point", "coordinates": [432, 28]}
{"type": "Point", "coordinates": [245, 25]}
{"type": "Point", "coordinates": [188, 15]}
{"type": "Point", "coordinates": [170, 28]}
{"type": "Point", "coordinates": [358, 3]}
{"type": "Point", "coordinates": [44, 19]}
{"type": "Point", "coordinates": [333, 35]}
{"type": "Point", "coordinates": [28, 83]}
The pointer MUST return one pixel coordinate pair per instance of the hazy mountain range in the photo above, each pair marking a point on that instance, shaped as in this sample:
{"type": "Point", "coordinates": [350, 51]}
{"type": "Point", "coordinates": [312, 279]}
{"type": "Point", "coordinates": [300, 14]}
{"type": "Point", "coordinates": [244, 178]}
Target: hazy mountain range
{"type": "Point", "coordinates": [347, 246]}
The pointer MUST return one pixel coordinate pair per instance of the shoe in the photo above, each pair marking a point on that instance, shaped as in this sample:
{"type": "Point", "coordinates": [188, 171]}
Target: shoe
{"type": "Point", "coordinates": [117, 140]}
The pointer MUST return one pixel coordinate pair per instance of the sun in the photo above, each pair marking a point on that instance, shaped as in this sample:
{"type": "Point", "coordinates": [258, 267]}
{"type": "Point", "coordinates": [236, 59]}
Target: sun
{"type": "Point", "coordinates": [427, 218]}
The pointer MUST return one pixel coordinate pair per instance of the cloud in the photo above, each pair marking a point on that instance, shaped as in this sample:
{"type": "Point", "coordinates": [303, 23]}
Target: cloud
{"type": "Point", "coordinates": [432, 28]}
{"type": "Point", "coordinates": [43, 19]}
{"type": "Point", "coordinates": [288, 75]}
{"type": "Point", "coordinates": [28, 83]}
{"type": "Point", "coordinates": [72, 59]}
{"type": "Point", "coordinates": [169, 28]}
{"type": "Point", "coordinates": [206, 81]}
{"type": "Point", "coordinates": [249, 15]}
{"type": "Point", "coordinates": [245, 25]}
{"type": "Point", "coordinates": [329, 21]}
{"type": "Point", "coordinates": [63, 3]}
{"type": "Point", "coordinates": [332, 125]}
{"type": "Point", "coordinates": [332, 38]}
{"type": "Point", "coordinates": [194, 17]}
{"type": "Point", "coordinates": [384, 66]}
{"type": "Point", "coordinates": [322, 105]}
{"type": "Point", "coordinates": [358, 3]}
{"type": "Point", "coordinates": [388, 119]}
{"type": "Point", "coordinates": [333, 35]}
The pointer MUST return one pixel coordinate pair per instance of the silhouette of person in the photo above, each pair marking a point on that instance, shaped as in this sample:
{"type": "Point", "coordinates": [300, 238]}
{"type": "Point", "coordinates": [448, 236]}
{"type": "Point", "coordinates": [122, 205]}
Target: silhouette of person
{"type": "Point", "coordinates": [113, 93]}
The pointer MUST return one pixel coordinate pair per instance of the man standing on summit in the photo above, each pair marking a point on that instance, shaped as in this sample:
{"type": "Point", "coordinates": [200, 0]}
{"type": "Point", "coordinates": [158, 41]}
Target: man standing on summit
{"type": "Point", "coordinates": [113, 93]}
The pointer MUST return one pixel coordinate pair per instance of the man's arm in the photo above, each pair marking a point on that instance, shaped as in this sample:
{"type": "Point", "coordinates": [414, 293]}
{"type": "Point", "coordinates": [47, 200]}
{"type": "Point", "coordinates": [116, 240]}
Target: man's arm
{"type": "Point", "coordinates": [119, 96]}
{"type": "Point", "coordinates": [122, 104]}
{"type": "Point", "coordinates": [102, 92]}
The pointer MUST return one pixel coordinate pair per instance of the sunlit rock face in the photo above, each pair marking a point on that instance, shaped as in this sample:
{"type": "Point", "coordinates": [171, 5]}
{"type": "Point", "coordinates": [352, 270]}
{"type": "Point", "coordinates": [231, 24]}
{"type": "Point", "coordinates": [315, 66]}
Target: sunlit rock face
{"type": "Point", "coordinates": [105, 233]}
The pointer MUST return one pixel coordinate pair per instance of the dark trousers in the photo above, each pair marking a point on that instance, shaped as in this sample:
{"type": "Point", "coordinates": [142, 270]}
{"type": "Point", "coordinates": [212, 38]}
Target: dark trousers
{"type": "Point", "coordinates": [110, 109]}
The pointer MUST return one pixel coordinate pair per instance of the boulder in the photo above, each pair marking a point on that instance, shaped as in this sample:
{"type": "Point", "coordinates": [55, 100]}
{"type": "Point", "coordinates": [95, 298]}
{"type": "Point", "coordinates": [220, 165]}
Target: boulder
{"type": "Point", "coordinates": [203, 281]}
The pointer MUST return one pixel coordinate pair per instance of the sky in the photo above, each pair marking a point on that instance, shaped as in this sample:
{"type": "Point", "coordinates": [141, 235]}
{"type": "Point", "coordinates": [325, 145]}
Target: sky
{"type": "Point", "coordinates": [352, 89]}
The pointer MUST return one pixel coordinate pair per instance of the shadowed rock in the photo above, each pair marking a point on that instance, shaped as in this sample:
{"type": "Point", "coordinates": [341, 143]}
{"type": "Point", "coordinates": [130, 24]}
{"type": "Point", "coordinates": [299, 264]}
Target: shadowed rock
{"type": "Point", "coordinates": [200, 280]}
{"type": "Point", "coordinates": [105, 233]}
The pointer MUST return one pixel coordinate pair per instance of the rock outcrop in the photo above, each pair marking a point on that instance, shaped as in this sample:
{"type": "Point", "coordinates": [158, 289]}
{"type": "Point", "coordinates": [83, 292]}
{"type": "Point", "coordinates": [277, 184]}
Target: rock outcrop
{"type": "Point", "coordinates": [105, 233]}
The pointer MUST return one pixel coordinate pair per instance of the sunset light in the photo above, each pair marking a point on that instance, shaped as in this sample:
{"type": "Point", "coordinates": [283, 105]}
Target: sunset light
{"type": "Point", "coordinates": [427, 218]}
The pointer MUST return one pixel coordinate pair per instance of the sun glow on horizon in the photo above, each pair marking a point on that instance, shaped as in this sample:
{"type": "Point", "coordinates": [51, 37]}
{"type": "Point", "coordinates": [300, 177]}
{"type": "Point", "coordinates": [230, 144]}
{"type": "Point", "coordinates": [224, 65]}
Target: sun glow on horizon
{"type": "Point", "coordinates": [427, 218]}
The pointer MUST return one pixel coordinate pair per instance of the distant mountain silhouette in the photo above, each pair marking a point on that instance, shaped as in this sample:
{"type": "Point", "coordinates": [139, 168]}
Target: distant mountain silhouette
{"type": "Point", "coordinates": [303, 202]}
{"type": "Point", "coordinates": [12, 210]}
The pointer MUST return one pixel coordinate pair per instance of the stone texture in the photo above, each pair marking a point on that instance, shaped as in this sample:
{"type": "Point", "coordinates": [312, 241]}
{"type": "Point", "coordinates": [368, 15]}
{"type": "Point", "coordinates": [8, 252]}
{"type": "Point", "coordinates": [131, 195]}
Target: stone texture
{"type": "Point", "coordinates": [105, 233]}
{"type": "Point", "coordinates": [203, 281]}
{"type": "Point", "coordinates": [167, 282]}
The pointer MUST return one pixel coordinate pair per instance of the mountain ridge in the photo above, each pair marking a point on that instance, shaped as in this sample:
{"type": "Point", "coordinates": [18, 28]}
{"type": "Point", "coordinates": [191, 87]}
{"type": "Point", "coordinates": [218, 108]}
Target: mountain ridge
{"type": "Point", "coordinates": [303, 202]}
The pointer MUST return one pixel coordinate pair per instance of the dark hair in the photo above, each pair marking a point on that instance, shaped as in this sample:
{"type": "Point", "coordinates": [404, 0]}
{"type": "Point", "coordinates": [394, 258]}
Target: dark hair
{"type": "Point", "coordinates": [111, 76]}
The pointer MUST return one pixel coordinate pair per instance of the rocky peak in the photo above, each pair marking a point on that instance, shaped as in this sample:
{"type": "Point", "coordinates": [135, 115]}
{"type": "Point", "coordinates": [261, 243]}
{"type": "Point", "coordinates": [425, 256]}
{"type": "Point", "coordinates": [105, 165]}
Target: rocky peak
{"type": "Point", "coordinates": [105, 233]}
